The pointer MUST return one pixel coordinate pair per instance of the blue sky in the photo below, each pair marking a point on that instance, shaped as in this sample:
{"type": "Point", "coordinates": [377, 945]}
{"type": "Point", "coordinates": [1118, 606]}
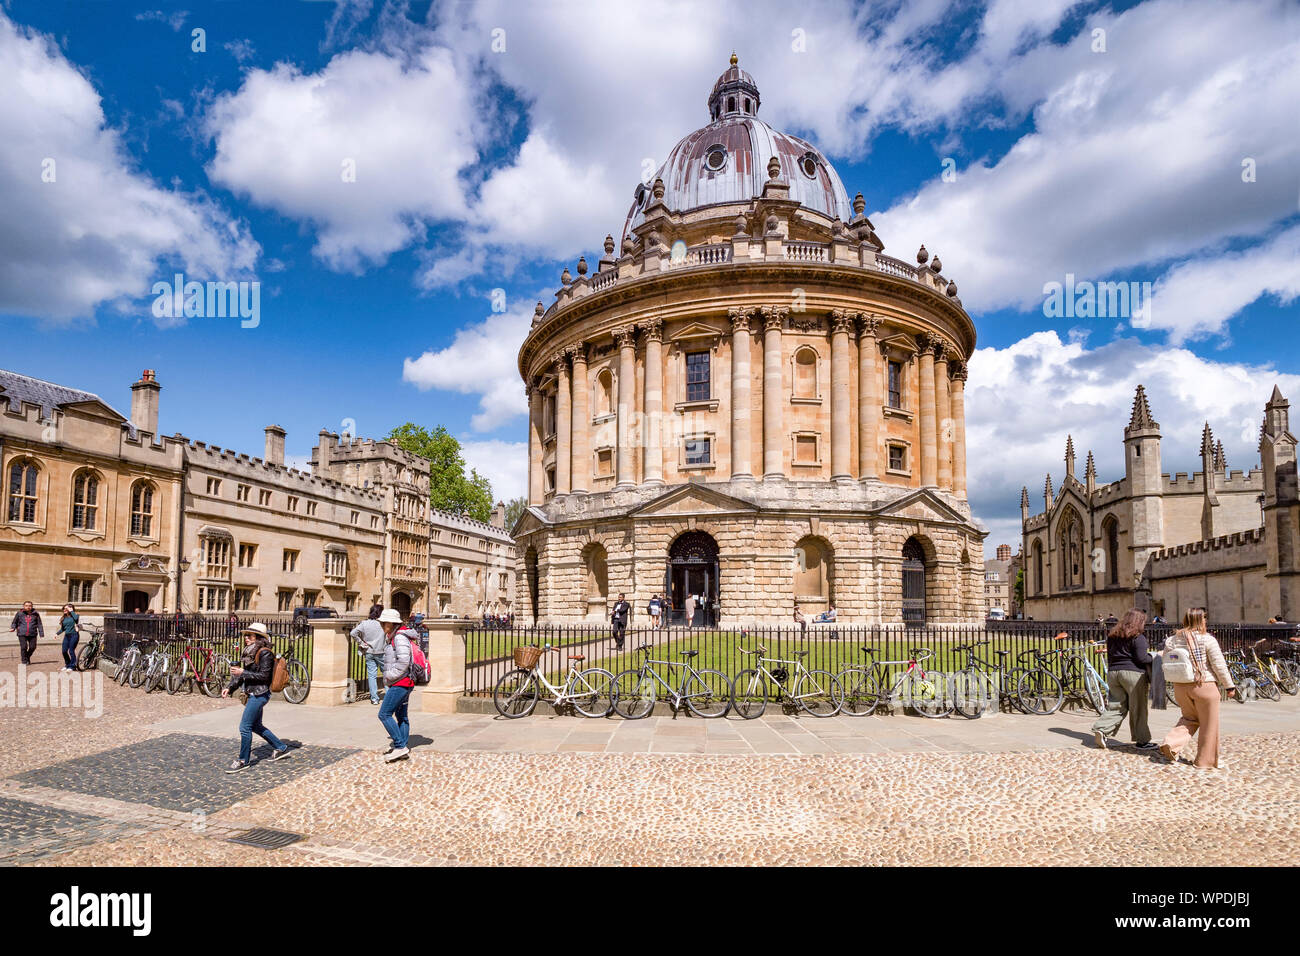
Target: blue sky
{"type": "Point", "coordinates": [494, 143]}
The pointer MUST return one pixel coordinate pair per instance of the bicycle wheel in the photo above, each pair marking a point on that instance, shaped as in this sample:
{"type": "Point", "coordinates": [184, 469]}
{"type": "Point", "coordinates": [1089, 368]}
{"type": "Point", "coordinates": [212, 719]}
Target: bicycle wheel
{"type": "Point", "coordinates": [749, 694]}
{"type": "Point", "coordinates": [593, 691]}
{"type": "Point", "coordinates": [90, 658]}
{"type": "Point", "coordinates": [973, 694]}
{"type": "Point", "coordinates": [1267, 687]}
{"type": "Point", "coordinates": [515, 694]}
{"type": "Point", "coordinates": [295, 692]}
{"type": "Point", "coordinates": [819, 693]}
{"type": "Point", "coordinates": [124, 667]}
{"type": "Point", "coordinates": [928, 695]}
{"type": "Point", "coordinates": [634, 695]}
{"type": "Point", "coordinates": [1039, 691]}
{"type": "Point", "coordinates": [1169, 693]}
{"type": "Point", "coordinates": [1007, 689]}
{"type": "Point", "coordinates": [1288, 679]}
{"type": "Point", "coordinates": [138, 670]}
{"type": "Point", "coordinates": [1094, 691]}
{"type": "Point", "coordinates": [177, 676]}
{"type": "Point", "coordinates": [155, 675]}
{"type": "Point", "coordinates": [708, 693]}
{"type": "Point", "coordinates": [859, 691]}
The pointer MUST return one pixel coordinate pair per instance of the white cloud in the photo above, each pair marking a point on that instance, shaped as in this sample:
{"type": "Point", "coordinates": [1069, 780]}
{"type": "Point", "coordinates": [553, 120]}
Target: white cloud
{"type": "Point", "coordinates": [503, 463]}
{"type": "Point", "coordinates": [173, 18]}
{"type": "Point", "coordinates": [481, 360]}
{"type": "Point", "coordinates": [1088, 393]}
{"type": "Point", "coordinates": [100, 232]}
{"type": "Point", "coordinates": [406, 124]}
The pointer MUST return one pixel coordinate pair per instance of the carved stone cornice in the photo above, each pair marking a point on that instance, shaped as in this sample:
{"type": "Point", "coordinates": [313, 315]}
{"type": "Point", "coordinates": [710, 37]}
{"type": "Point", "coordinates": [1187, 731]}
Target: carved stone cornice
{"type": "Point", "coordinates": [773, 317]}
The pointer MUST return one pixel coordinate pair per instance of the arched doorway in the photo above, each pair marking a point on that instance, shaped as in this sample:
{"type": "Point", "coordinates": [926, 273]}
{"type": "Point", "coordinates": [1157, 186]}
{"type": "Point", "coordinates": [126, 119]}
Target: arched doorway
{"type": "Point", "coordinates": [135, 602]}
{"type": "Point", "coordinates": [402, 603]}
{"type": "Point", "coordinates": [913, 582]}
{"type": "Point", "coordinates": [530, 571]}
{"type": "Point", "coordinates": [693, 569]}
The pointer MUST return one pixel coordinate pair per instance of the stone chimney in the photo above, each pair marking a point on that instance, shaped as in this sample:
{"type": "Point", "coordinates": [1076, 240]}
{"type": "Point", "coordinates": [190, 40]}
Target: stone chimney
{"type": "Point", "coordinates": [1004, 552]}
{"type": "Point", "coordinates": [274, 445]}
{"type": "Point", "coordinates": [499, 515]}
{"type": "Point", "coordinates": [324, 447]}
{"type": "Point", "coordinates": [144, 403]}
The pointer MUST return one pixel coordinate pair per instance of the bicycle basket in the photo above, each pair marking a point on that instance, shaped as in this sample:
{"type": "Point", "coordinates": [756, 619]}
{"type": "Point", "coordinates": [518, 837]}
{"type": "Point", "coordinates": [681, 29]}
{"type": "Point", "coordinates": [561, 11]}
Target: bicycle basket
{"type": "Point", "coordinates": [781, 675]}
{"type": "Point", "coordinates": [527, 657]}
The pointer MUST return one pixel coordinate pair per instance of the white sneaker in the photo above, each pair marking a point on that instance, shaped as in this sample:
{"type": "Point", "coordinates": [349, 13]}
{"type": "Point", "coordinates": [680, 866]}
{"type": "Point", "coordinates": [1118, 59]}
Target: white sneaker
{"type": "Point", "coordinates": [1098, 736]}
{"type": "Point", "coordinates": [401, 753]}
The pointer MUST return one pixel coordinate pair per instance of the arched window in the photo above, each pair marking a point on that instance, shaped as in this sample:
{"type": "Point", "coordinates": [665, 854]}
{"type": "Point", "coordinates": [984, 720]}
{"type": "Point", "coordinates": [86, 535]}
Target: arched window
{"type": "Point", "coordinates": [142, 510]}
{"type": "Point", "coordinates": [805, 373]}
{"type": "Point", "coordinates": [1070, 549]}
{"type": "Point", "coordinates": [731, 104]}
{"type": "Point", "coordinates": [596, 568]}
{"type": "Point", "coordinates": [85, 500]}
{"type": "Point", "coordinates": [22, 491]}
{"type": "Point", "coordinates": [1038, 567]}
{"type": "Point", "coordinates": [604, 393]}
{"type": "Point", "coordinates": [813, 579]}
{"type": "Point", "coordinates": [1110, 532]}
{"type": "Point", "coordinates": [915, 583]}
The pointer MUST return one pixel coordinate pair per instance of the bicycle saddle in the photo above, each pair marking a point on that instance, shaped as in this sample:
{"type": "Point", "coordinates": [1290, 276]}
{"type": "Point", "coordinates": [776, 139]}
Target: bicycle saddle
{"type": "Point", "coordinates": [689, 654]}
{"type": "Point", "coordinates": [577, 657]}
{"type": "Point", "coordinates": [800, 653]}
{"type": "Point", "coordinates": [868, 650]}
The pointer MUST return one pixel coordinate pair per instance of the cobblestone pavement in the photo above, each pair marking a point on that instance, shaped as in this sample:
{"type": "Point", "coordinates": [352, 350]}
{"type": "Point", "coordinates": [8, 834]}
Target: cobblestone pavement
{"type": "Point", "coordinates": [1045, 799]}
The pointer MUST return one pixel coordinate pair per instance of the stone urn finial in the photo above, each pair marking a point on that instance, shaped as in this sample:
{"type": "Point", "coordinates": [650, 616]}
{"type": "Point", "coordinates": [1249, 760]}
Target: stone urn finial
{"type": "Point", "coordinates": [935, 264]}
{"type": "Point", "coordinates": [952, 289]}
{"type": "Point", "coordinates": [740, 225]}
{"type": "Point", "coordinates": [582, 265]}
{"type": "Point", "coordinates": [837, 227]}
{"type": "Point", "coordinates": [772, 223]}
{"type": "Point", "coordinates": [609, 244]}
{"type": "Point", "coordinates": [658, 190]}
{"type": "Point", "coordinates": [859, 205]}
{"type": "Point", "coordinates": [922, 255]}
{"type": "Point", "coordinates": [628, 246]}
{"type": "Point", "coordinates": [774, 168]}
{"type": "Point", "coordinates": [565, 276]}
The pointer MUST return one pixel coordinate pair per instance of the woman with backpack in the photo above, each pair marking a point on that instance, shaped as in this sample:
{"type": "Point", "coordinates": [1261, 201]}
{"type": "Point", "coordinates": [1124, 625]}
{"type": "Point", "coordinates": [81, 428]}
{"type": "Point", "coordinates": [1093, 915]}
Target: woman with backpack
{"type": "Point", "coordinates": [1194, 664]}
{"type": "Point", "coordinates": [68, 631]}
{"type": "Point", "coordinates": [1128, 665]}
{"type": "Point", "coordinates": [399, 683]}
{"type": "Point", "coordinates": [258, 660]}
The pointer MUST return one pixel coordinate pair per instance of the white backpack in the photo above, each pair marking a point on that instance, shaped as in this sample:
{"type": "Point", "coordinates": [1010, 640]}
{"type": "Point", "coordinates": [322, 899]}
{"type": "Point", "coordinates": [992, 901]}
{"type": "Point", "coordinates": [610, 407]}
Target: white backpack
{"type": "Point", "coordinates": [1179, 663]}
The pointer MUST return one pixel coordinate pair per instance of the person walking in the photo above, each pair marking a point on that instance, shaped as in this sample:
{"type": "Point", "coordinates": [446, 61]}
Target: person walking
{"type": "Point", "coordinates": [1128, 663]}
{"type": "Point", "coordinates": [655, 609]}
{"type": "Point", "coordinates": [254, 677]}
{"type": "Point", "coordinates": [1198, 698]}
{"type": "Point", "coordinates": [690, 610]}
{"type": "Point", "coordinates": [393, 713]}
{"type": "Point", "coordinates": [369, 634]}
{"type": "Point", "coordinates": [71, 636]}
{"type": "Point", "coordinates": [619, 620]}
{"type": "Point", "coordinates": [27, 623]}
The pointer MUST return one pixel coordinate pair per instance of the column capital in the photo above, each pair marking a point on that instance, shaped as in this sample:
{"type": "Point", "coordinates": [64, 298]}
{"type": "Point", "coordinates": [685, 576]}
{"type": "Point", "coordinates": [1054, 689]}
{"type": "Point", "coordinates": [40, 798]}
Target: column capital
{"type": "Point", "coordinates": [560, 360]}
{"type": "Point", "coordinates": [577, 352]}
{"type": "Point", "coordinates": [957, 370]}
{"type": "Point", "coordinates": [625, 336]}
{"type": "Point", "coordinates": [774, 317]}
{"type": "Point", "coordinates": [842, 320]}
{"type": "Point", "coordinates": [868, 324]}
{"type": "Point", "coordinates": [740, 316]}
{"type": "Point", "coordinates": [652, 329]}
{"type": "Point", "coordinates": [926, 342]}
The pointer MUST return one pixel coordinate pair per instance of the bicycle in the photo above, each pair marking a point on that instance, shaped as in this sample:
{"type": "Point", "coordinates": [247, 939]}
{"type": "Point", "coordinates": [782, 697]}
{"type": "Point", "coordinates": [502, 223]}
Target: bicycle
{"type": "Point", "coordinates": [1038, 690]}
{"type": "Point", "coordinates": [920, 691]}
{"type": "Point", "coordinates": [1284, 673]}
{"type": "Point", "coordinates": [94, 647]}
{"type": "Point", "coordinates": [1079, 678]}
{"type": "Point", "coordinates": [635, 689]}
{"type": "Point", "coordinates": [210, 675]}
{"type": "Point", "coordinates": [299, 686]}
{"type": "Point", "coordinates": [817, 692]}
{"type": "Point", "coordinates": [1244, 672]}
{"type": "Point", "coordinates": [517, 692]}
{"type": "Point", "coordinates": [975, 691]}
{"type": "Point", "coordinates": [156, 664]}
{"type": "Point", "coordinates": [129, 658]}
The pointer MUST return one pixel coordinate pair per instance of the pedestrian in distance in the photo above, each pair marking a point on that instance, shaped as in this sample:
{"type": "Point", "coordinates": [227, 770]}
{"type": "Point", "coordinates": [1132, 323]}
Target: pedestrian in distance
{"type": "Point", "coordinates": [1196, 689]}
{"type": "Point", "coordinates": [801, 619]}
{"type": "Point", "coordinates": [690, 610]}
{"type": "Point", "coordinates": [655, 609]}
{"type": "Point", "coordinates": [393, 713]}
{"type": "Point", "coordinates": [1128, 673]}
{"type": "Point", "coordinates": [369, 634]}
{"type": "Point", "coordinates": [376, 609]}
{"type": "Point", "coordinates": [71, 636]}
{"type": "Point", "coordinates": [254, 677]}
{"type": "Point", "coordinates": [27, 623]}
{"type": "Point", "coordinates": [619, 620]}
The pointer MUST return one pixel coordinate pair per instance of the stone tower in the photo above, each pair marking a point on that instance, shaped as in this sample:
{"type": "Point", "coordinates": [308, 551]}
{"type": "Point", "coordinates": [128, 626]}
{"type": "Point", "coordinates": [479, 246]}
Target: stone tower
{"type": "Point", "coordinates": [1209, 475]}
{"type": "Point", "coordinates": [1145, 484]}
{"type": "Point", "coordinates": [1277, 450]}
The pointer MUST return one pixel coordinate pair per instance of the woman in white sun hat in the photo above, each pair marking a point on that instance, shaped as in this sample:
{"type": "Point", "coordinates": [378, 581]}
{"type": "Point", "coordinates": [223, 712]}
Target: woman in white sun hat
{"type": "Point", "coordinates": [258, 660]}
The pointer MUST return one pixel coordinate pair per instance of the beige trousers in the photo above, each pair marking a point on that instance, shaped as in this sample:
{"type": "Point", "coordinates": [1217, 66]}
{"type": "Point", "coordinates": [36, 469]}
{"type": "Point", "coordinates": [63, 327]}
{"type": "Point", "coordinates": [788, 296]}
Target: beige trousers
{"type": "Point", "coordinates": [1200, 706]}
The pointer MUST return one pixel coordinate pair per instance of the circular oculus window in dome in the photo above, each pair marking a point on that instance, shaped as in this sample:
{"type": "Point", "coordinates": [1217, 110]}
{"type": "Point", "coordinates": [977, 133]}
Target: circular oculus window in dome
{"type": "Point", "coordinates": [716, 157]}
{"type": "Point", "coordinates": [808, 165]}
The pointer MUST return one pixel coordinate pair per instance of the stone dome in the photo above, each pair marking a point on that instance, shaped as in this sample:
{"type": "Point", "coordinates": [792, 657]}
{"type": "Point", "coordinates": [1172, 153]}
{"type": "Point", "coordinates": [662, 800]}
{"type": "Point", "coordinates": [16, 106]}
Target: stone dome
{"type": "Point", "coordinates": [726, 161]}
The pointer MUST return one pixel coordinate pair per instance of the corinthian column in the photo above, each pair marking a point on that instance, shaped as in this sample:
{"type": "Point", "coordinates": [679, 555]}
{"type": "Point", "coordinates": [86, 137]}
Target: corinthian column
{"type": "Point", "coordinates": [536, 489]}
{"type": "Point", "coordinates": [581, 421]}
{"type": "Point", "coordinates": [773, 399]}
{"type": "Point", "coordinates": [958, 393]}
{"type": "Point", "coordinates": [841, 413]}
{"type": "Point", "coordinates": [563, 423]}
{"type": "Point", "coordinates": [625, 337]}
{"type": "Point", "coordinates": [740, 455]}
{"type": "Point", "coordinates": [929, 450]}
{"type": "Point", "coordinates": [943, 415]}
{"type": "Point", "coordinates": [652, 430]}
{"type": "Point", "coordinates": [868, 399]}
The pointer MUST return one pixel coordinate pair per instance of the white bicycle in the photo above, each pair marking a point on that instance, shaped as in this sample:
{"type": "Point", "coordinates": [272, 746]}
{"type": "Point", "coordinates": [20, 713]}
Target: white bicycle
{"type": "Point", "coordinates": [517, 692]}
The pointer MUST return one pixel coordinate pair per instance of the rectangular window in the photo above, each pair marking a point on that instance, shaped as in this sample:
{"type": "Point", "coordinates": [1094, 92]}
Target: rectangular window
{"type": "Point", "coordinates": [374, 521]}
{"type": "Point", "coordinates": [212, 599]}
{"type": "Point", "coordinates": [80, 590]}
{"type": "Point", "coordinates": [290, 562]}
{"type": "Point", "coordinates": [444, 577]}
{"type": "Point", "coordinates": [805, 449]}
{"type": "Point", "coordinates": [293, 502]}
{"type": "Point", "coordinates": [264, 498]}
{"type": "Point", "coordinates": [697, 377]}
{"type": "Point", "coordinates": [898, 458]}
{"type": "Point", "coordinates": [243, 599]}
{"type": "Point", "coordinates": [349, 603]}
{"type": "Point", "coordinates": [309, 598]}
{"type": "Point", "coordinates": [895, 385]}
{"type": "Point", "coordinates": [550, 480]}
{"type": "Point", "coordinates": [284, 600]}
{"type": "Point", "coordinates": [248, 555]}
{"type": "Point", "coordinates": [311, 508]}
{"type": "Point", "coordinates": [214, 486]}
{"type": "Point", "coordinates": [698, 451]}
{"type": "Point", "coordinates": [355, 516]}
{"type": "Point", "coordinates": [604, 463]}
{"type": "Point", "coordinates": [216, 556]}
{"type": "Point", "coordinates": [501, 581]}
{"type": "Point", "coordinates": [241, 492]}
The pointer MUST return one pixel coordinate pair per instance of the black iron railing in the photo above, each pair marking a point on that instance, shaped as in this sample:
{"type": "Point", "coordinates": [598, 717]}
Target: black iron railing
{"type": "Point", "coordinates": [831, 647]}
{"type": "Point", "coordinates": [220, 630]}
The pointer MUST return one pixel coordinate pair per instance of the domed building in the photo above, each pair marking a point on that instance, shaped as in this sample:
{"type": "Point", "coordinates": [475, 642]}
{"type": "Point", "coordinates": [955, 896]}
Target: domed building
{"type": "Point", "coordinates": [748, 401]}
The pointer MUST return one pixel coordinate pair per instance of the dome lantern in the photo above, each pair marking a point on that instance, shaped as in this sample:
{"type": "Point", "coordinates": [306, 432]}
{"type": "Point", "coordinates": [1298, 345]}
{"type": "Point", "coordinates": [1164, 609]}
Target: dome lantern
{"type": "Point", "coordinates": [734, 94]}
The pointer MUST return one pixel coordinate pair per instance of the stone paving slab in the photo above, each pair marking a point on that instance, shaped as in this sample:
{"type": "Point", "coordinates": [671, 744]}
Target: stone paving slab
{"type": "Point", "coordinates": [30, 831]}
{"type": "Point", "coordinates": [179, 772]}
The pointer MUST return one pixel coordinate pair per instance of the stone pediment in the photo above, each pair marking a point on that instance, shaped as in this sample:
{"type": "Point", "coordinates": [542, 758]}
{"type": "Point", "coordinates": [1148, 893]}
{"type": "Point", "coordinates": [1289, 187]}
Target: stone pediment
{"type": "Point", "coordinates": [922, 505]}
{"type": "Point", "coordinates": [531, 520]}
{"type": "Point", "coordinates": [693, 499]}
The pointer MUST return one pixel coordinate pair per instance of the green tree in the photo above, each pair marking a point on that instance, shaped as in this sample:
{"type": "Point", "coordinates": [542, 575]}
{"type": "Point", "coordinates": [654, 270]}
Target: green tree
{"type": "Point", "coordinates": [450, 488]}
{"type": "Point", "coordinates": [514, 508]}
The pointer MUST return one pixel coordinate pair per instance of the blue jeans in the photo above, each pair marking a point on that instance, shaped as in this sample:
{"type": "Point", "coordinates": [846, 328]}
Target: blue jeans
{"type": "Point", "coordinates": [70, 650]}
{"type": "Point", "coordinates": [251, 723]}
{"type": "Point", "coordinates": [394, 706]}
{"type": "Point", "coordinates": [374, 667]}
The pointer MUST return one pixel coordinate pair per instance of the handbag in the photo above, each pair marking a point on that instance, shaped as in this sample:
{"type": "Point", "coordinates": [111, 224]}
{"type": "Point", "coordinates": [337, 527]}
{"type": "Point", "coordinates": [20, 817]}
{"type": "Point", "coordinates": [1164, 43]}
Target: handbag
{"type": "Point", "coordinates": [1179, 663]}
